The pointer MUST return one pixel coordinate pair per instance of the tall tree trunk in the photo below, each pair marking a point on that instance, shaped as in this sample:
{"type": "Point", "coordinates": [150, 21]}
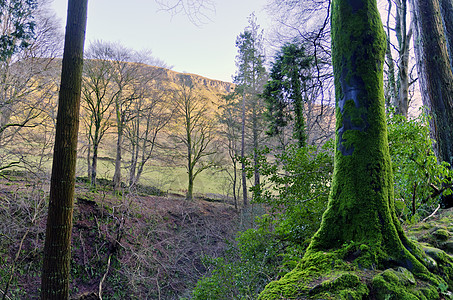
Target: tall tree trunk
{"type": "Point", "coordinates": [133, 167]}
{"type": "Point", "coordinates": [435, 77]}
{"type": "Point", "coordinates": [190, 165]}
{"type": "Point", "coordinates": [244, 175]}
{"type": "Point", "coordinates": [402, 106]}
{"type": "Point", "coordinates": [135, 141]}
{"type": "Point", "coordinates": [89, 159]}
{"type": "Point", "coordinates": [255, 144]}
{"type": "Point", "coordinates": [94, 162]}
{"type": "Point", "coordinates": [235, 179]}
{"type": "Point", "coordinates": [299, 119]}
{"type": "Point", "coordinates": [57, 246]}
{"type": "Point", "coordinates": [361, 203]}
{"type": "Point", "coordinates": [391, 91]}
{"type": "Point", "coordinates": [94, 165]}
{"type": "Point", "coordinates": [404, 37]}
{"type": "Point", "coordinates": [189, 195]}
{"type": "Point", "coordinates": [119, 142]}
{"type": "Point", "coordinates": [446, 7]}
{"type": "Point", "coordinates": [134, 158]}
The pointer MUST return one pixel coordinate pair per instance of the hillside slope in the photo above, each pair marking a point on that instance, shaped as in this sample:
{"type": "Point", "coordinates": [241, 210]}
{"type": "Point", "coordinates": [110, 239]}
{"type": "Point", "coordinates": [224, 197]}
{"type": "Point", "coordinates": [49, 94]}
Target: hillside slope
{"type": "Point", "coordinates": [139, 246]}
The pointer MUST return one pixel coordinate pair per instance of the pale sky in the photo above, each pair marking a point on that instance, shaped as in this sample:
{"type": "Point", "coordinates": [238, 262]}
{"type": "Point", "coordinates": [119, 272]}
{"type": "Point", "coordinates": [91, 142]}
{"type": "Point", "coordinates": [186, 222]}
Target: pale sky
{"type": "Point", "coordinates": [208, 50]}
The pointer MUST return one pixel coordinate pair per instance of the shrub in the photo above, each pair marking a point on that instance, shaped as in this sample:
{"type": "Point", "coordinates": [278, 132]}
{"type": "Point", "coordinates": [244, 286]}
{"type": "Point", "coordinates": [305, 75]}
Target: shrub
{"type": "Point", "coordinates": [417, 174]}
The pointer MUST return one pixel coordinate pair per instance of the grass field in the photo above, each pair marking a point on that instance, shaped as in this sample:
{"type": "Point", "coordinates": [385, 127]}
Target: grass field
{"type": "Point", "coordinates": [167, 178]}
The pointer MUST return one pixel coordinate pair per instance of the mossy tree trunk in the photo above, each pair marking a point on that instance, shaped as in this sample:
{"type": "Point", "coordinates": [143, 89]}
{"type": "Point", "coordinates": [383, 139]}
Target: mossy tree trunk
{"type": "Point", "coordinates": [360, 230]}
{"type": "Point", "coordinates": [57, 247]}
{"type": "Point", "coordinates": [361, 204]}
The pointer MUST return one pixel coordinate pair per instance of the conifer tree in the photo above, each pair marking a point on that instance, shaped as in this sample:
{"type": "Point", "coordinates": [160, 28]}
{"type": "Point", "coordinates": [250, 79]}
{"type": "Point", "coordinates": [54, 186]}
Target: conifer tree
{"type": "Point", "coordinates": [18, 26]}
{"type": "Point", "coordinates": [250, 78]}
{"type": "Point", "coordinates": [284, 92]}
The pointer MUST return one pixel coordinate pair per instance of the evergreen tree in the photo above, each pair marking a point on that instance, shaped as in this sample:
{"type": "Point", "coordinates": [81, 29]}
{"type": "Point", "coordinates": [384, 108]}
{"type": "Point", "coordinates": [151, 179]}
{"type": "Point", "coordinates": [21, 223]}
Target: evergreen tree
{"type": "Point", "coordinates": [18, 25]}
{"type": "Point", "coordinates": [284, 92]}
{"type": "Point", "coordinates": [250, 78]}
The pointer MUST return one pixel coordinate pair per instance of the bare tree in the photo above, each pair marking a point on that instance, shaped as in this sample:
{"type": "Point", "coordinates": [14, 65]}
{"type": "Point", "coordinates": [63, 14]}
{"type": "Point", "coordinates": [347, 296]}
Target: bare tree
{"type": "Point", "coordinates": [398, 72]}
{"type": "Point", "coordinates": [126, 82]}
{"type": "Point", "coordinates": [151, 113]}
{"type": "Point", "coordinates": [196, 10]}
{"type": "Point", "coordinates": [25, 76]}
{"type": "Point", "coordinates": [195, 130]}
{"type": "Point", "coordinates": [98, 95]}
{"type": "Point", "coordinates": [230, 120]}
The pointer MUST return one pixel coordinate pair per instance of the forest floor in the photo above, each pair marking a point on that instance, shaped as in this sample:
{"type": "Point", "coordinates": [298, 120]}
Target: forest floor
{"type": "Point", "coordinates": [129, 246]}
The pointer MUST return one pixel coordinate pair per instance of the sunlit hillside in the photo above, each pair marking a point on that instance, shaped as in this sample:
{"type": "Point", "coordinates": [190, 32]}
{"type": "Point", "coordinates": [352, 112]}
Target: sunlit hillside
{"type": "Point", "coordinates": [31, 146]}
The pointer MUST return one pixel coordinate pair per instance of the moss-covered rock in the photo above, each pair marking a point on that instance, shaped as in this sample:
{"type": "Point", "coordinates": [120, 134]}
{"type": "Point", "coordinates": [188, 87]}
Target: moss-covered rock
{"type": "Point", "coordinates": [400, 284]}
{"type": "Point", "coordinates": [441, 234]}
{"type": "Point", "coordinates": [343, 286]}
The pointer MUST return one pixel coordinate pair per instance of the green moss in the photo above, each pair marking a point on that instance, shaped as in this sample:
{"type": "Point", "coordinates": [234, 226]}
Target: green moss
{"type": "Point", "coordinates": [364, 247]}
{"type": "Point", "coordinates": [400, 284]}
{"type": "Point", "coordinates": [441, 234]}
{"type": "Point", "coordinates": [437, 254]}
{"type": "Point", "coordinates": [297, 282]}
{"type": "Point", "coordinates": [343, 286]}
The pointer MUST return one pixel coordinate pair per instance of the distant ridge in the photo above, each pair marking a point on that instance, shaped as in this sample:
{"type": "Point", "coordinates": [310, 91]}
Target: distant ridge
{"type": "Point", "coordinates": [199, 80]}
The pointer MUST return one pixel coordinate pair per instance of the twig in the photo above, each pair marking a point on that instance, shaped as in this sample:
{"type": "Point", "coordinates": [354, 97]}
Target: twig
{"type": "Point", "coordinates": [4, 295]}
{"type": "Point", "coordinates": [104, 277]}
{"type": "Point", "coordinates": [431, 215]}
{"type": "Point", "coordinates": [13, 266]}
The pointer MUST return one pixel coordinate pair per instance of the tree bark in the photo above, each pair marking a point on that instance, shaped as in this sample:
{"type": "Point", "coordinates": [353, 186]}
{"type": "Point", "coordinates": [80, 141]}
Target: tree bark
{"type": "Point", "coordinates": [403, 36]}
{"type": "Point", "coordinates": [57, 247]}
{"type": "Point", "coordinates": [134, 140]}
{"type": "Point", "coordinates": [446, 7]}
{"type": "Point", "coordinates": [189, 195]}
{"type": "Point", "coordinates": [391, 91]}
{"type": "Point", "coordinates": [435, 77]}
{"type": "Point", "coordinates": [89, 159]}
{"type": "Point", "coordinates": [255, 143]}
{"type": "Point", "coordinates": [244, 176]}
{"type": "Point", "coordinates": [94, 163]}
{"type": "Point", "coordinates": [361, 203]}
{"type": "Point", "coordinates": [119, 142]}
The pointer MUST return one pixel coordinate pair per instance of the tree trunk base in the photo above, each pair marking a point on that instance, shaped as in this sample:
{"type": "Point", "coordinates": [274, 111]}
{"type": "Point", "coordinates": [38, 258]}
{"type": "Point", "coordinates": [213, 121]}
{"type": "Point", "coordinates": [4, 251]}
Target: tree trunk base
{"type": "Point", "coordinates": [334, 275]}
{"type": "Point", "coordinates": [426, 272]}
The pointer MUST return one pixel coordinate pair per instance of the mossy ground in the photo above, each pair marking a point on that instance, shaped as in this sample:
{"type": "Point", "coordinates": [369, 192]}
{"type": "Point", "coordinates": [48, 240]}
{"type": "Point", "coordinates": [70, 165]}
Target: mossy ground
{"type": "Point", "coordinates": [337, 274]}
